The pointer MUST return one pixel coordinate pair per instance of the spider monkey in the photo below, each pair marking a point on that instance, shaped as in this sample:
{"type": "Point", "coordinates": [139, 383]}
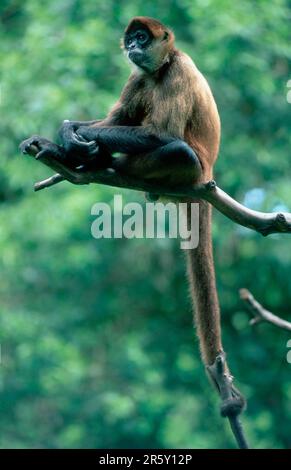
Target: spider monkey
{"type": "Point", "coordinates": [166, 125]}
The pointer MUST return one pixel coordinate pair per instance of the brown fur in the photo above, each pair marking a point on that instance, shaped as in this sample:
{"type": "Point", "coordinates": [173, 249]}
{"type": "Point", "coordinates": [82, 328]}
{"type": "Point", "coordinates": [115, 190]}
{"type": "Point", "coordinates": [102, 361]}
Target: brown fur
{"type": "Point", "coordinates": [157, 29]}
{"type": "Point", "coordinates": [175, 99]}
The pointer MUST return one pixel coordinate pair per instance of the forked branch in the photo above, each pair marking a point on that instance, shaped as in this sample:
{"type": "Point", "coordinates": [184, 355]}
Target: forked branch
{"type": "Point", "coordinates": [260, 314]}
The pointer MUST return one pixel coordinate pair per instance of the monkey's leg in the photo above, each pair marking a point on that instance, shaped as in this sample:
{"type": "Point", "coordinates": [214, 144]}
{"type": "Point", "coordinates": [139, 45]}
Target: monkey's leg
{"type": "Point", "coordinates": [175, 163]}
{"type": "Point", "coordinates": [148, 154]}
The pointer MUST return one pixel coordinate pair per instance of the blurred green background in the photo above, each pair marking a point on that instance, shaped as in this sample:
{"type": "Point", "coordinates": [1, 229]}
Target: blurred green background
{"type": "Point", "coordinates": [98, 348]}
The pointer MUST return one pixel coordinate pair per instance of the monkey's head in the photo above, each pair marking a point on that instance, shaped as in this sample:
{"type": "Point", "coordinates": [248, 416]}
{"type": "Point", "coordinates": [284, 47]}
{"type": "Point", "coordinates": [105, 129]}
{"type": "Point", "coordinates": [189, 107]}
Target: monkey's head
{"type": "Point", "coordinates": [148, 43]}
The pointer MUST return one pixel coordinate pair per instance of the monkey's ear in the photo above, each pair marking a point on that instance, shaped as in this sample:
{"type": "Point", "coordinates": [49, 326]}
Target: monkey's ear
{"type": "Point", "coordinates": [166, 35]}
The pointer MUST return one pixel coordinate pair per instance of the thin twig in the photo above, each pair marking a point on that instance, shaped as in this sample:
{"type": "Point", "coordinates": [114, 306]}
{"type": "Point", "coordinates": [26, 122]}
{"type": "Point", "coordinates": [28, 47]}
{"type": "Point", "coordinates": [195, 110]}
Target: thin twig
{"type": "Point", "coordinates": [57, 178]}
{"type": "Point", "coordinates": [260, 314]}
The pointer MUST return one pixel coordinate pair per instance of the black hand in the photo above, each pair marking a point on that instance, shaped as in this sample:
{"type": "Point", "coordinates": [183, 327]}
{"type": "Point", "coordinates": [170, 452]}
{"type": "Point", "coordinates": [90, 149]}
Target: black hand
{"type": "Point", "coordinates": [76, 146]}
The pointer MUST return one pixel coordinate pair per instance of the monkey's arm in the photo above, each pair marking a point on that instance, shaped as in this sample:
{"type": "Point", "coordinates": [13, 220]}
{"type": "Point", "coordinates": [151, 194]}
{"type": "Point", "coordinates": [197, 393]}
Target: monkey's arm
{"type": "Point", "coordinates": [118, 116]}
{"type": "Point", "coordinates": [77, 145]}
{"type": "Point", "coordinates": [81, 149]}
{"type": "Point", "coordinates": [126, 112]}
{"type": "Point", "coordinates": [126, 139]}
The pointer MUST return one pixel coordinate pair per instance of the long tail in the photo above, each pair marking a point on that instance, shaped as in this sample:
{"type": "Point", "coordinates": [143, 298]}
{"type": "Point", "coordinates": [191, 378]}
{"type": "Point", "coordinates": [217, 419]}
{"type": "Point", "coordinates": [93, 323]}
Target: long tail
{"type": "Point", "coordinates": [201, 275]}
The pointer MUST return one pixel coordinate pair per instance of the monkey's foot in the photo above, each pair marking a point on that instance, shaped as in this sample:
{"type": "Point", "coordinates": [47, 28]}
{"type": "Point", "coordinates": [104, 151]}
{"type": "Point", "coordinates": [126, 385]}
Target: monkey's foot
{"type": "Point", "coordinates": [37, 147]}
{"type": "Point", "coordinates": [233, 402]}
{"type": "Point", "coordinates": [52, 155]}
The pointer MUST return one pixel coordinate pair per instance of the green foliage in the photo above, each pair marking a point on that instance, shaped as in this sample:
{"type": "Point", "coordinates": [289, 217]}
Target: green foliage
{"type": "Point", "coordinates": [97, 343]}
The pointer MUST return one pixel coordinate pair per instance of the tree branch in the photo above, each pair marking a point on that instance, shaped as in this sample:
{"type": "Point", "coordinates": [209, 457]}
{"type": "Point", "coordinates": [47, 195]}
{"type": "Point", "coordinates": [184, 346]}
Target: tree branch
{"type": "Point", "coordinates": [260, 314]}
{"type": "Point", "coordinates": [264, 223]}
{"type": "Point", "coordinates": [51, 181]}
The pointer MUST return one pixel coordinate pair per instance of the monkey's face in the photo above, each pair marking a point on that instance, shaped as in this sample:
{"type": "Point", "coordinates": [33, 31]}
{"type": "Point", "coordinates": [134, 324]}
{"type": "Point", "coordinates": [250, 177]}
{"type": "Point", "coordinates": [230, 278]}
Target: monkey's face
{"type": "Point", "coordinates": [137, 43]}
{"type": "Point", "coordinates": [148, 43]}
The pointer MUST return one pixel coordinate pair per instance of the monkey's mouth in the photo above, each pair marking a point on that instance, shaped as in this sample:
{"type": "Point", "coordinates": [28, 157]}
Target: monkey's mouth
{"type": "Point", "coordinates": [136, 56]}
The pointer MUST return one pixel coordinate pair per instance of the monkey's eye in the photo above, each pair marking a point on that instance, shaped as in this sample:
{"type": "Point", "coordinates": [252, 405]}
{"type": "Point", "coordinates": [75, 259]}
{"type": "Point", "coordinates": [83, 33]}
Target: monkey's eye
{"type": "Point", "coordinates": [141, 37]}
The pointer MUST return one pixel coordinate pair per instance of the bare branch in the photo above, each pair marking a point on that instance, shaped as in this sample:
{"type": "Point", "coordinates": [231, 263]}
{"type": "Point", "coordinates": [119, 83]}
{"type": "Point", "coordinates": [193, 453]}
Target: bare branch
{"type": "Point", "coordinates": [57, 178]}
{"type": "Point", "coordinates": [264, 223]}
{"type": "Point", "coordinates": [260, 314]}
